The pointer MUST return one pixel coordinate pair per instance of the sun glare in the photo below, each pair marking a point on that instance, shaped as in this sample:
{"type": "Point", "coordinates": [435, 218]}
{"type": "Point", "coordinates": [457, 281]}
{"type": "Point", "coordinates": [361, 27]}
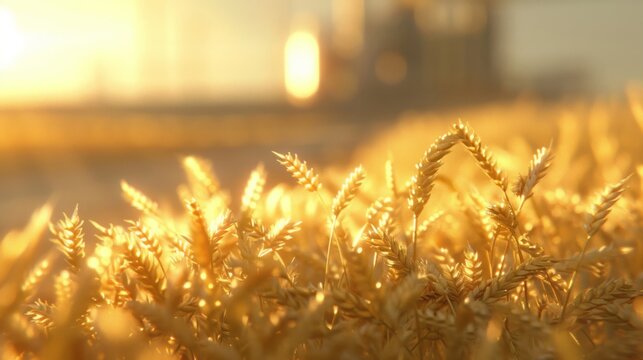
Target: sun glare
{"type": "Point", "coordinates": [302, 65]}
{"type": "Point", "coordinates": [11, 41]}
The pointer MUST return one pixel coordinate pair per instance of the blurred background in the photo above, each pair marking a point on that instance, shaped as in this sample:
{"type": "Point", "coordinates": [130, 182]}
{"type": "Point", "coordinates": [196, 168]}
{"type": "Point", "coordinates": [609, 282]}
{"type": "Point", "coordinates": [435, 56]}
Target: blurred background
{"type": "Point", "coordinates": [94, 92]}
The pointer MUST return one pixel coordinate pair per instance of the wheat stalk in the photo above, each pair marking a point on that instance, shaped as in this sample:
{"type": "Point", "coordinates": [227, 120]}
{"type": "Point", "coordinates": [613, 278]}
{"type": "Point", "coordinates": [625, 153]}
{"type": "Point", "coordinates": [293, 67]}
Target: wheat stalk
{"type": "Point", "coordinates": [395, 253]}
{"type": "Point", "coordinates": [41, 313]}
{"type": "Point", "coordinates": [224, 222]}
{"type": "Point", "coordinates": [609, 292]}
{"type": "Point", "coordinates": [138, 200]}
{"type": "Point", "coordinates": [148, 238]}
{"type": "Point", "coordinates": [524, 185]}
{"type": "Point", "coordinates": [472, 269]}
{"type": "Point", "coordinates": [379, 209]}
{"type": "Point", "coordinates": [299, 170]}
{"type": "Point", "coordinates": [423, 181]}
{"type": "Point", "coordinates": [601, 207]}
{"type": "Point", "coordinates": [352, 305]}
{"type": "Point", "coordinates": [146, 267]}
{"type": "Point", "coordinates": [360, 272]}
{"type": "Point", "coordinates": [278, 235]}
{"type": "Point", "coordinates": [200, 236]}
{"type": "Point", "coordinates": [481, 154]}
{"type": "Point", "coordinates": [36, 276]}
{"type": "Point", "coordinates": [201, 175]}
{"type": "Point", "coordinates": [206, 284]}
{"type": "Point", "coordinates": [586, 259]}
{"type": "Point", "coordinates": [391, 181]}
{"type": "Point", "coordinates": [69, 235]}
{"type": "Point", "coordinates": [424, 227]}
{"type": "Point", "coordinates": [253, 190]}
{"type": "Point", "coordinates": [503, 215]}
{"type": "Point", "coordinates": [349, 190]}
{"type": "Point", "coordinates": [63, 287]}
{"type": "Point", "coordinates": [496, 288]}
{"type": "Point", "coordinates": [593, 221]}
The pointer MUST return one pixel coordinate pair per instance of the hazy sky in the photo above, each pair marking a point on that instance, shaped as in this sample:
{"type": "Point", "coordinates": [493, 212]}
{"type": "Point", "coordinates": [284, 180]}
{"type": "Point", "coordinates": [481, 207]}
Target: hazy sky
{"type": "Point", "coordinates": [601, 39]}
{"type": "Point", "coordinates": [72, 51]}
{"type": "Point", "coordinates": [125, 50]}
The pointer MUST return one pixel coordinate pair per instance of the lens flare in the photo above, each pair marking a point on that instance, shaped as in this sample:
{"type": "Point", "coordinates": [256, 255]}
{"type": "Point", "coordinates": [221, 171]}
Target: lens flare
{"type": "Point", "coordinates": [302, 65]}
{"type": "Point", "coordinates": [11, 40]}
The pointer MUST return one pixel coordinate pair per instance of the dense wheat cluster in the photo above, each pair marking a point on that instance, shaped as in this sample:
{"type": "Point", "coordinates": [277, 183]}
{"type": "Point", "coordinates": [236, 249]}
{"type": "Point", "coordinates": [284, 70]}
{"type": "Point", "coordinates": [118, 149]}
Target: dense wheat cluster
{"type": "Point", "coordinates": [360, 265]}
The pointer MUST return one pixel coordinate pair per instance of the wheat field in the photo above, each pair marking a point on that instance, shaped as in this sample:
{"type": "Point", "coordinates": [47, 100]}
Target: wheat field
{"type": "Point", "coordinates": [526, 244]}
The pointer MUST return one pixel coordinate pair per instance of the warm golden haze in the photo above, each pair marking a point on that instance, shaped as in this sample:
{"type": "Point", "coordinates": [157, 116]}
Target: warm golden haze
{"type": "Point", "coordinates": [530, 250]}
{"type": "Point", "coordinates": [340, 179]}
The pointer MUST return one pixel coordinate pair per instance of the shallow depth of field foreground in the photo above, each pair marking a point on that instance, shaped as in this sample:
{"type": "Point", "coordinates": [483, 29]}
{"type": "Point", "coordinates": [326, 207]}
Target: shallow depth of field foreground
{"type": "Point", "coordinates": [512, 233]}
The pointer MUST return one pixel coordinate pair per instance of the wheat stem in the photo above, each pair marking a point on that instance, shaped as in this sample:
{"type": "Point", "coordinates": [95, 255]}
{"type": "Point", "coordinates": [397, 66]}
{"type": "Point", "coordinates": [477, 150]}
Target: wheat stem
{"type": "Point", "coordinates": [494, 239]}
{"type": "Point", "coordinates": [283, 266]}
{"type": "Point", "coordinates": [574, 274]}
{"type": "Point", "coordinates": [595, 219]}
{"type": "Point", "coordinates": [415, 235]}
{"type": "Point", "coordinates": [417, 317]}
{"type": "Point", "coordinates": [330, 243]}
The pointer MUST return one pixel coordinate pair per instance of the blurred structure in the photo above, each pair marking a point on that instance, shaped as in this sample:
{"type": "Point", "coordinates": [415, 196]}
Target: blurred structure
{"type": "Point", "coordinates": [355, 53]}
{"type": "Point", "coordinates": [384, 52]}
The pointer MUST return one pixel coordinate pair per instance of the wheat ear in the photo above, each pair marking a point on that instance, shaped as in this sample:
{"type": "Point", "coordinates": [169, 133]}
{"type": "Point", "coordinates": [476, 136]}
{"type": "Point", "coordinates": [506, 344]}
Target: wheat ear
{"type": "Point", "coordinates": [201, 246]}
{"type": "Point", "coordinates": [41, 313]}
{"type": "Point", "coordinates": [200, 173]}
{"type": "Point", "coordinates": [423, 181]}
{"type": "Point", "coordinates": [498, 287]}
{"type": "Point", "coordinates": [138, 200]}
{"type": "Point", "coordinates": [253, 190]}
{"type": "Point", "coordinates": [143, 263]}
{"type": "Point", "coordinates": [149, 240]}
{"type": "Point", "coordinates": [602, 206]}
{"type": "Point", "coordinates": [595, 218]}
{"type": "Point", "coordinates": [69, 235]}
{"type": "Point", "coordinates": [389, 170]}
{"type": "Point", "coordinates": [608, 292]}
{"type": "Point", "coordinates": [481, 154]}
{"type": "Point", "coordinates": [299, 170]}
{"type": "Point", "coordinates": [349, 190]}
{"type": "Point", "coordinates": [223, 224]}
{"type": "Point", "coordinates": [35, 277]}
{"type": "Point", "coordinates": [392, 251]}
{"type": "Point", "coordinates": [276, 238]}
{"type": "Point", "coordinates": [472, 269]}
{"type": "Point", "coordinates": [524, 185]}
